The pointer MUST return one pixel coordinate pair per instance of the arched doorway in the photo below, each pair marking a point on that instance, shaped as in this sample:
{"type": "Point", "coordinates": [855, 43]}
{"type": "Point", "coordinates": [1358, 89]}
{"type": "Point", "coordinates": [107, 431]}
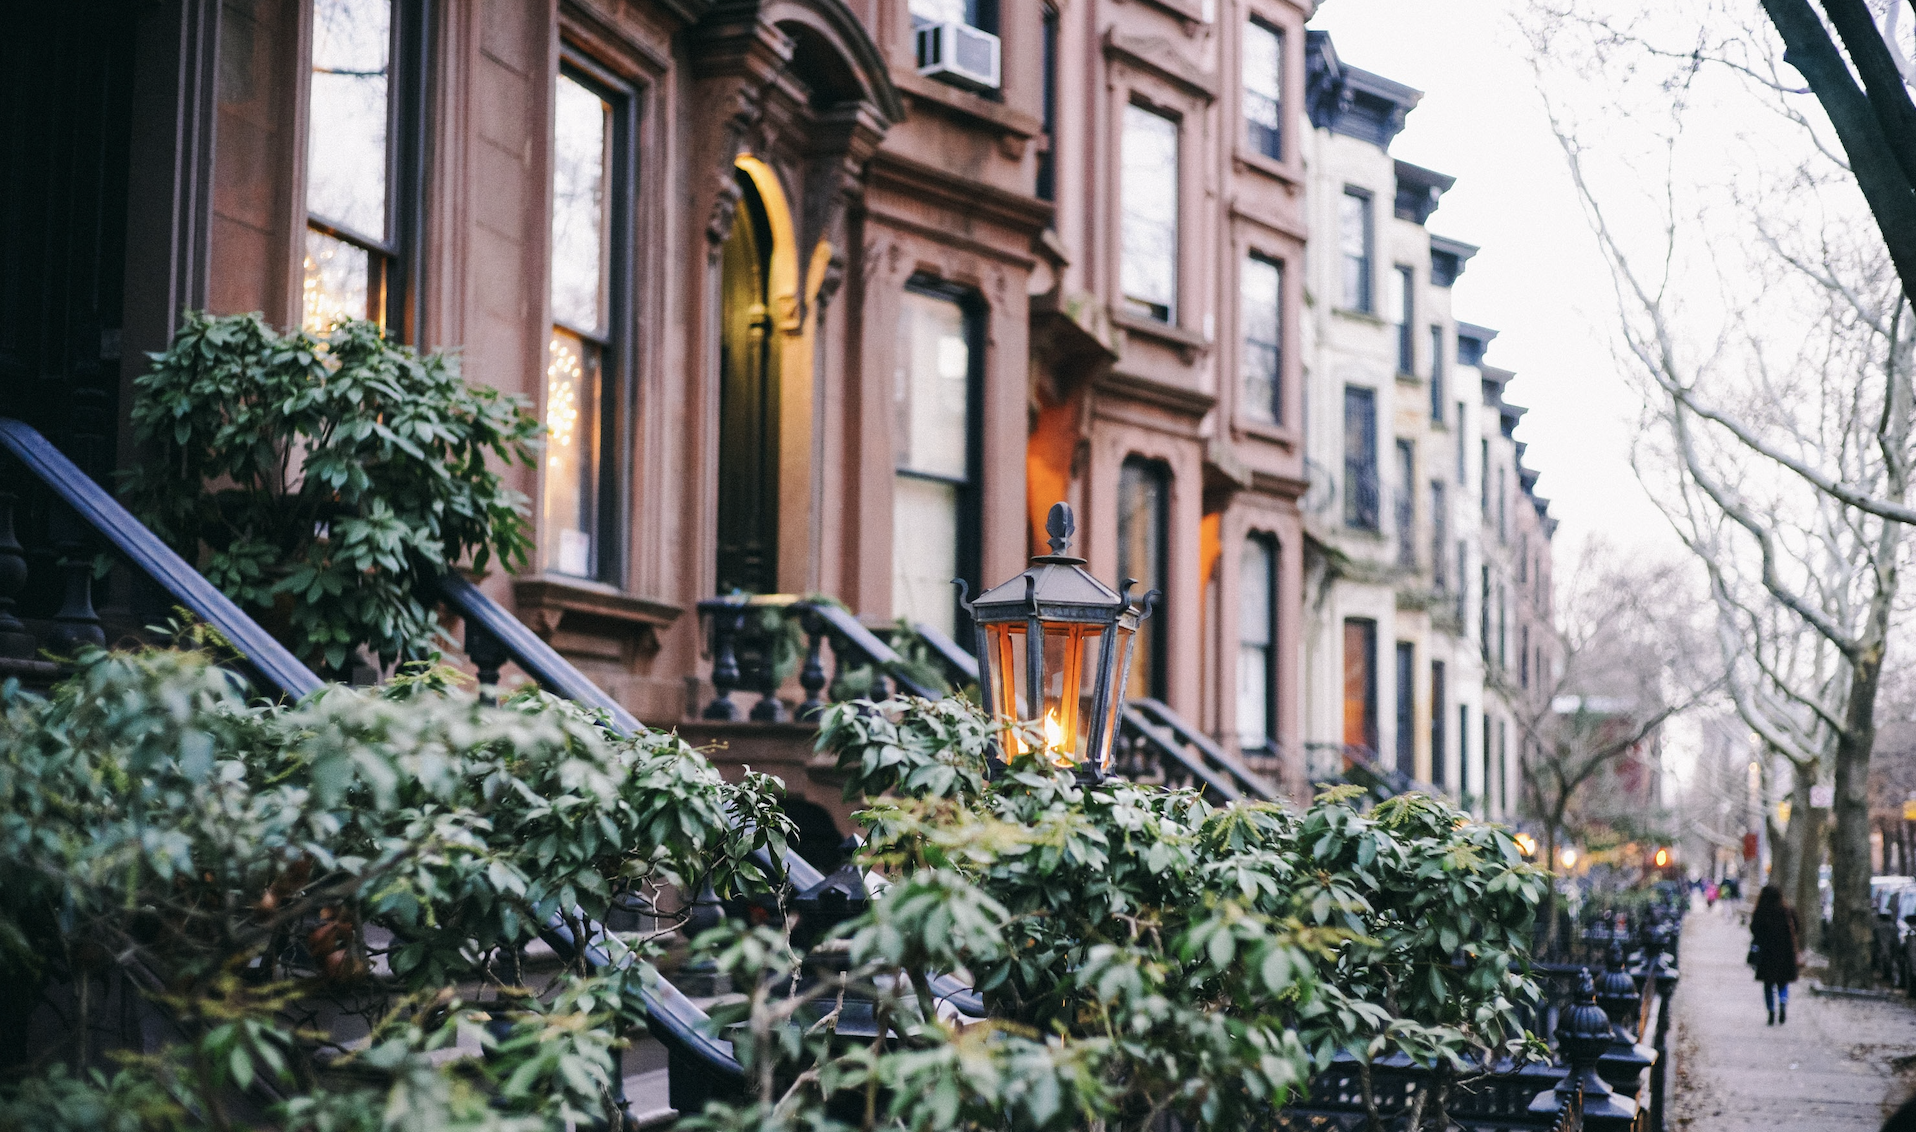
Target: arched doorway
{"type": "Point", "coordinates": [748, 399]}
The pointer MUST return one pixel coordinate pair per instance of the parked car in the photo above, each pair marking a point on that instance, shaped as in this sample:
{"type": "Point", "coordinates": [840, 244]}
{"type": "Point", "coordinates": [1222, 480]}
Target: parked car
{"type": "Point", "coordinates": [1887, 928]}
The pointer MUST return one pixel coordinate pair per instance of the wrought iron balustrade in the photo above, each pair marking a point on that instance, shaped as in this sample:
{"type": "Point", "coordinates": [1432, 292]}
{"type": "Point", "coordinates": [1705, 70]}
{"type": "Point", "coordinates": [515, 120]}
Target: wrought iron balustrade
{"type": "Point", "coordinates": [81, 519]}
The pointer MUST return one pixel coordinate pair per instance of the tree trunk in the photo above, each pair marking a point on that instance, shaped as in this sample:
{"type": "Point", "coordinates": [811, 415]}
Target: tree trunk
{"type": "Point", "coordinates": [1806, 897]}
{"type": "Point", "coordinates": [1849, 943]}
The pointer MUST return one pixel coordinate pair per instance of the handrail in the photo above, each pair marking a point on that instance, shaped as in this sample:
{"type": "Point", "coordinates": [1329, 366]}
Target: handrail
{"type": "Point", "coordinates": [1246, 780]}
{"type": "Point", "coordinates": [559, 676]}
{"type": "Point", "coordinates": [1166, 744]}
{"type": "Point", "coordinates": [537, 659]}
{"type": "Point", "coordinates": [112, 521]}
{"type": "Point", "coordinates": [840, 621]}
{"type": "Point", "coordinates": [950, 652]}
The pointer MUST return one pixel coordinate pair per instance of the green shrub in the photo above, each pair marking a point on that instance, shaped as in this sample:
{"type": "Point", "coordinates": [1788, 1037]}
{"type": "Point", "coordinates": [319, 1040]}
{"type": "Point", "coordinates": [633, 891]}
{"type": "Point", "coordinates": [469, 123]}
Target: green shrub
{"type": "Point", "coordinates": [250, 868]}
{"type": "Point", "coordinates": [323, 483]}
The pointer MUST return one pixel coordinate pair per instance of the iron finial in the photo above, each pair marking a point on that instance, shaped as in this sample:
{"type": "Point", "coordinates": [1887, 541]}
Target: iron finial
{"type": "Point", "coordinates": [1060, 525]}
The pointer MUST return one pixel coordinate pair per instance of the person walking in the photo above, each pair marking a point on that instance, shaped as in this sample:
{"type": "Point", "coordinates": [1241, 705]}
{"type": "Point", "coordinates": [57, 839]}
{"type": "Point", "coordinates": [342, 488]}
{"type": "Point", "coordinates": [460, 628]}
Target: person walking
{"type": "Point", "coordinates": [1773, 950]}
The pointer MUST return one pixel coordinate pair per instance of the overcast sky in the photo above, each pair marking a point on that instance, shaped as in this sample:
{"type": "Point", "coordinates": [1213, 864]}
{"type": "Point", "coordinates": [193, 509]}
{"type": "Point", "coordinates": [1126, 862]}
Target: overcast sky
{"type": "Point", "coordinates": [1538, 279]}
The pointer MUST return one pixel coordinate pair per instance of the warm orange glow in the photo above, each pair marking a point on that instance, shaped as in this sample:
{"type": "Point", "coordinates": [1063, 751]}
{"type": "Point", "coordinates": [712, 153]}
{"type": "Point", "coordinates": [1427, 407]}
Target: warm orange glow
{"type": "Point", "coordinates": [1054, 740]}
{"type": "Point", "coordinates": [1526, 844]}
{"type": "Point", "coordinates": [1210, 544]}
{"type": "Point", "coordinates": [1663, 858]}
{"type": "Point", "coordinates": [1048, 452]}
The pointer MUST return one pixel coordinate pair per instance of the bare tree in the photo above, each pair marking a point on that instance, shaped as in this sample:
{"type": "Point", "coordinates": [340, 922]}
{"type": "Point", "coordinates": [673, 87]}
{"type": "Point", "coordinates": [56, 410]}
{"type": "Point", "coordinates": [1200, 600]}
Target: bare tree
{"type": "Point", "coordinates": [1788, 409]}
{"type": "Point", "coordinates": [1621, 673]}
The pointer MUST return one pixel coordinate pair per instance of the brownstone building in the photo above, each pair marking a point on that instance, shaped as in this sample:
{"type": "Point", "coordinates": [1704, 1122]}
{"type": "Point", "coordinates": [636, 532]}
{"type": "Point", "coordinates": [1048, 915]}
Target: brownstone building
{"type": "Point", "coordinates": [812, 296]}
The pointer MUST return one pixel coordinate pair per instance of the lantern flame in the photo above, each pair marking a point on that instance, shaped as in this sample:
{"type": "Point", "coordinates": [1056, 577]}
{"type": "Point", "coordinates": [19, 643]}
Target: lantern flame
{"type": "Point", "coordinates": [1054, 739]}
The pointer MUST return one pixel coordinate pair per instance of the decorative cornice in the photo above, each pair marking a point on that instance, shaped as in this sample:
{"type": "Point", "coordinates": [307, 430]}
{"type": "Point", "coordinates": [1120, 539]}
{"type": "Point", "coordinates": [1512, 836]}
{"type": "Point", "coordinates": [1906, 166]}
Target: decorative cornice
{"type": "Point", "coordinates": [1156, 55]}
{"type": "Point", "coordinates": [1149, 390]}
{"type": "Point", "coordinates": [936, 185]}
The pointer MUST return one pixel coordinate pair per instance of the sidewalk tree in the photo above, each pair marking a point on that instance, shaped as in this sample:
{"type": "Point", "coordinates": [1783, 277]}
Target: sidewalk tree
{"type": "Point", "coordinates": [1772, 340]}
{"type": "Point", "coordinates": [1620, 674]}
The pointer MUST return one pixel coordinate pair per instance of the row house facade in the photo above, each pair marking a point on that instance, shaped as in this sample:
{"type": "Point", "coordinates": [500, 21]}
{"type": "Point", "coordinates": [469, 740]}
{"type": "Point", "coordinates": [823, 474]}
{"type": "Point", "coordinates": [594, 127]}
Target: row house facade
{"type": "Point", "coordinates": [1420, 519]}
{"type": "Point", "coordinates": [812, 296]}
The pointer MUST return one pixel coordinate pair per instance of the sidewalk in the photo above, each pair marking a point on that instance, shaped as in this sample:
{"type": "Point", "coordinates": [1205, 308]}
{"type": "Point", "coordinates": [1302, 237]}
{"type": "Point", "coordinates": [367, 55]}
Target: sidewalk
{"type": "Point", "coordinates": [1839, 1064]}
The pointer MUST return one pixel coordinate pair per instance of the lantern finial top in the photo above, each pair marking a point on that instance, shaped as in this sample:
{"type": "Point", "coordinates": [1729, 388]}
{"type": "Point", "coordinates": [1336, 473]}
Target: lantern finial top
{"type": "Point", "coordinates": [1060, 525]}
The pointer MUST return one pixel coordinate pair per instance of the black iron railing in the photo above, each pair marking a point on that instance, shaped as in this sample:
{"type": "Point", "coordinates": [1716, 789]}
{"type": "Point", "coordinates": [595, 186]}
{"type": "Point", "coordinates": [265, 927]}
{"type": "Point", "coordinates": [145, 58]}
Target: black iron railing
{"type": "Point", "coordinates": [84, 518]}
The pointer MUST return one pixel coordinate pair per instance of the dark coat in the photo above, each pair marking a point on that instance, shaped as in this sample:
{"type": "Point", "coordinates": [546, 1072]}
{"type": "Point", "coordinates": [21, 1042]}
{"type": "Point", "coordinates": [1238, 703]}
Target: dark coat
{"type": "Point", "coordinates": [1775, 935]}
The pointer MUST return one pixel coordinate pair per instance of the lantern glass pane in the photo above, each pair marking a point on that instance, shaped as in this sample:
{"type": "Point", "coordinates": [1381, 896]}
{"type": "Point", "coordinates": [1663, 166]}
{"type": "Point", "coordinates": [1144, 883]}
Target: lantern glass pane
{"type": "Point", "coordinates": [1006, 655]}
{"type": "Point", "coordinates": [1063, 721]}
{"type": "Point", "coordinates": [1121, 671]}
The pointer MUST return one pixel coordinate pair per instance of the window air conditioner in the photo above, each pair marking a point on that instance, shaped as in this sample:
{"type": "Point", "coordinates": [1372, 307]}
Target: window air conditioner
{"type": "Point", "coordinates": [958, 53]}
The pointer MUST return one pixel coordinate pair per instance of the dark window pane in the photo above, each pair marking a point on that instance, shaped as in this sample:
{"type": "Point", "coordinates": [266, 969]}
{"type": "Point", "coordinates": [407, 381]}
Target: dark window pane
{"type": "Point", "coordinates": [1406, 753]}
{"type": "Point", "coordinates": [1261, 304]}
{"type": "Point", "coordinates": [1144, 489]}
{"type": "Point", "coordinates": [1360, 684]}
{"type": "Point", "coordinates": [1406, 504]}
{"type": "Point", "coordinates": [1406, 311]}
{"type": "Point", "coordinates": [1437, 713]}
{"type": "Point", "coordinates": [1360, 459]}
{"type": "Point", "coordinates": [1437, 374]}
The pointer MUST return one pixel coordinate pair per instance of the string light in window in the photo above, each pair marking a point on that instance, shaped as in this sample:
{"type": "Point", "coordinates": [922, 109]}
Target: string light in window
{"type": "Point", "coordinates": [564, 374]}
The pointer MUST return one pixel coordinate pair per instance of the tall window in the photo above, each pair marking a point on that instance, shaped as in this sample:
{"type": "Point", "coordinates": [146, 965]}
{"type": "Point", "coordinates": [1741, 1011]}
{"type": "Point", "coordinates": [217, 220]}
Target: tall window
{"type": "Point", "coordinates": [1483, 801]}
{"type": "Point", "coordinates": [1484, 610]}
{"type": "Point", "coordinates": [1483, 475]}
{"type": "Point", "coordinates": [1463, 582]}
{"type": "Point", "coordinates": [1257, 644]}
{"type": "Point", "coordinates": [1437, 710]}
{"type": "Point", "coordinates": [1463, 743]}
{"type": "Point", "coordinates": [1439, 537]}
{"type": "Point", "coordinates": [1360, 458]}
{"type": "Point", "coordinates": [1144, 512]}
{"type": "Point", "coordinates": [1406, 705]}
{"type": "Point", "coordinates": [1354, 248]}
{"type": "Point", "coordinates": [1503, 624]}
{"type": "Point", "coordinates": [1406, 505]}
{"type": "Point", "coordinates": [1523, 656]}
{"type": "Point", "coordinates": [1261, 301]}
{"type": "Point", "coordinates": [1406, 311]}
{"type": "Point", "coordinates": [1463, 452]}
{"type": "Point", "coordinates": [1148, 192]}
{"type": "Point", "coordinates": [1047, 187]}
{"type": "Point", "coordinates": [935, 391]}
{"type": "Point", "coordinates": [1437, 374]}
{"type": "Point", "coordinates": [1360, 683]}
{"type": "Point", "coordinates": [1503, 512]}
{"type": "Point", "coordinates": [585, 356]}
{"type": "Point", "coordinates": [1503, 765]}
{"type": "Point", "coordinates": [362, 135]}
{"type": "Point", "coordinates": [1264, 89]}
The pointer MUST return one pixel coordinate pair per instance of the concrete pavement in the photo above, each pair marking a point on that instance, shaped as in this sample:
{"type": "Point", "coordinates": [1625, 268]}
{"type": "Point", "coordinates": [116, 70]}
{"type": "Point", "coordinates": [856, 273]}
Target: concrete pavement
{"type": "Point", "coordinates": [1840, 1064]}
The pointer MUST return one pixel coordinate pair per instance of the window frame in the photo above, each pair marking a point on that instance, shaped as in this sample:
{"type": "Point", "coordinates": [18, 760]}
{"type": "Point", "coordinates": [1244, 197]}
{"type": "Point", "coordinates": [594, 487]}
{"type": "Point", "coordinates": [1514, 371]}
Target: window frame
{"type": "Point", "coordinates": [1273, 616]}
{"type": "Point", "coordinates": [1439, 536]}
{"type": "Point", "coordinates": [1280, 136]}
{"type": "Point", "coordinates": [1437, 373]}
{"type": "Point", "coordinates": [1367, 263]}
{"type": "Point", "coordinates": [1134, 310]}
{"type": "Point", "coordinates": [402, 253]}
{"type": "Point", "coordinates": [1367, 627]}
{"type": "Point", "coordinates": [1405, 517]}
{"type": "Point", "coordinates": [1439, 712]}
{"type": "Point", "coordinates": [619, 340]}
{"type": "Point", "coordinates": [1404, 757]}
{"type": "Point", "coordinates": [1153, 630]}
{"type": "Point", "coordinates": [970, 491]}
{"type": "Point", "coordinates": [1045, 186]}
{"type": "Point", "coordinates": [1406, 320]}
{"type": "Point", "coordinates": [1360, 469]}
{"type": "Point", "coordinates": [1279, 419]}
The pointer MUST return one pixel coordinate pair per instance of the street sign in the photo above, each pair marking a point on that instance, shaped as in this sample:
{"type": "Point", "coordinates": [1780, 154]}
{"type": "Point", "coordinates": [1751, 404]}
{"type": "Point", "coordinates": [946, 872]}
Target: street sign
{"type": "Point", "coordinates": [1749, 847]}
{"type": "Point", "coordinates": [1909, 810]}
